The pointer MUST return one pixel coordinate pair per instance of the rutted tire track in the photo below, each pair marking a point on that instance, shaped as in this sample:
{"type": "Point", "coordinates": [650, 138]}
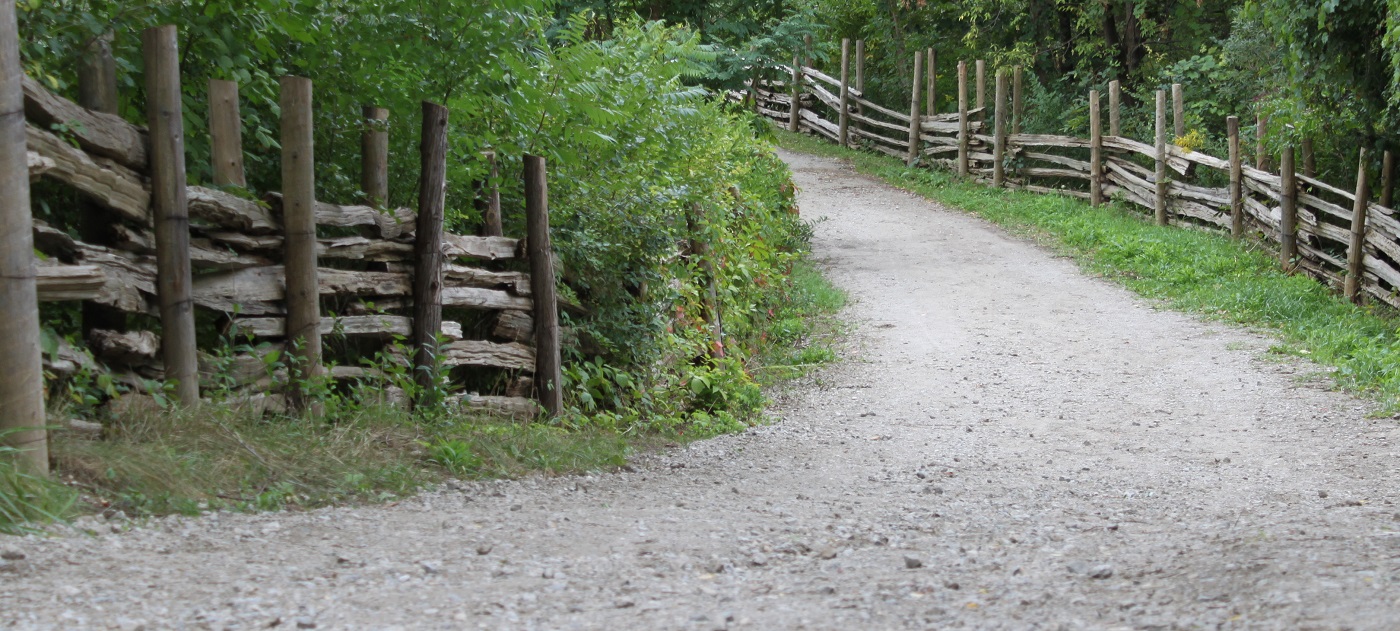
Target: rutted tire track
{"type": "Point", "coordinates": [1053, 451]}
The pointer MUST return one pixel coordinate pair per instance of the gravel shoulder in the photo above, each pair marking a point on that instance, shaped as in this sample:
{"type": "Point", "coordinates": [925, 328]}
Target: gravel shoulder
{"type": "Point", "coordinates": [1009, 444]}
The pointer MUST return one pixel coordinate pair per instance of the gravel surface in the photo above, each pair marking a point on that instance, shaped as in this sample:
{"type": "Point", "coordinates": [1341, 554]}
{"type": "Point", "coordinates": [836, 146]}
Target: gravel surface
{"type": "Point", "coordinates": [1008, 445]}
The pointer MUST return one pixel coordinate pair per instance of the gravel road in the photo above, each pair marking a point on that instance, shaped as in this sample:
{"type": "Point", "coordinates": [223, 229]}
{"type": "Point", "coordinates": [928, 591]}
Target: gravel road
{"type": "Point", "coordinates": [1009, 444]}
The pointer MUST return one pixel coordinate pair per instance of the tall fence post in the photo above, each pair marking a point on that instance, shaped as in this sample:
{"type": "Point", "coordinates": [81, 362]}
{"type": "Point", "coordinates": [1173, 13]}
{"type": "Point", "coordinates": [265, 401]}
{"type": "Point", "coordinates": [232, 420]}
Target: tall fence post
{"type": "Point", "coordinates": [807, 49]}
{"type": "Point", "coordinates": [860, 77]}
{"type": "Point", "coordinates": [931, 96]}
{"type": "Point", "coordinates": [22, 390]}
{"type": "Point", "coordinates": [845, 116]}
{"type": "Point", "coordinates": [165, 117]}
{"type": "Point", "coordinates": [1356, 254]}
{"type": "Point", "coordinates": [981, 84]}
{"type": "Point", "coordinates": [795, 109]}
{"type": "Point", "coordinates": [1288, 223]}
{"type": "Point", "coordinates": [1095, 150]}
{"type": "Point", "coordinates": [491, 206]}
{"type": "Point", "coordinates": [962, 118]}
{"type": "Point", "coordinates": [97, 91]}
{"type": "Point", "coordinates": [225, 134]}
{"type": "Point", "coordinates": [427, 250]}
{"type": "Point", "coordinates": [999, 132]}
{"type": "Point", "coordinates": [1232, 128]}
{"type": "Point", "coordinates": [548, 372]}
{"type": "Point", "coordinates": [374, 156]}
{"type": "Point", "coordinates": [1261, 129]}
{"type": "Point", "coordinates": [299, 243]}
{"type": "Point", "coordinates": [1178, 111]}
{"type": "Point", "coordinates": [1115, 102]}
{"type": "Point", "coordinates": [1018, 103]}
{"type": "Point", "coordinates": [915, 128]}
{"type": "Point", "coordinates": [1161, 172]}
{"type": "Point", "coordinates": [1387, 178]}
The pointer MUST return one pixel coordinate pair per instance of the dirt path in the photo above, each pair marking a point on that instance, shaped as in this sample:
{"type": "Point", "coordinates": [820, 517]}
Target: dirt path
{"type": "Point", "coordinates": [1053, 452]}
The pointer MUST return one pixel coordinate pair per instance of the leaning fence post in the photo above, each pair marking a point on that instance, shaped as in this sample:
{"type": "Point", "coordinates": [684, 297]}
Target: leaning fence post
{"type": "Point", "coordinates": [1288, 223]}
{"type": "Point", "coordinates": [1232, 128]}
{"type": "Point", "coordinates": [1309, 162]}
{"type": "Point", "coordinates": [914, 119]}
{"type": "Point", "coordinates": [962, 118]}
{"type": "Point", "coordinates": [1018, 103]}
{"type": "Point", "coordinates": [97, 91]}
{"type": "Point", "coordinates": [845, 116]}
{"type": "Point", "coordinates": [1161, 171]}
{"type": "Point", "coordinates": [22, 417]}
{"type": "Point", "coordinates": [931, 96]}
{"type": "Point", "coordinates": [165, 116]}
{"type": "Point", "coordinates": [1115, 102]}
{"type": "Point", "coordinates": [427, 250]}
{"type": "Point", "coordinates": [491, 206]}
{"type": "Point", "coordinates": [374, 156]}
{"type": "Point", "coordinates": [1356, 255]}
{"type": "Point", "coordinates": [1095, 150]}
{"type": "Point", "coordinates": [225, 134]}
{"type": "Point", "coordinates": [299, 244]}
{"type": "Point", "coordinates": [1261, 128]}
{"type": "Point", "coordinates": [999, 132]}
{"type": "Point", "coordinates": [860, 78]}
{"type": "Point", "coordinates": [1387, 178]}
{"type": "Point", "coordinates": [795, 109]}
{"type": "Point", "coordinates": [548, 373]}
{"type": "Point", "coordinates": [1178, 111]}
{"type": "Point", "coordinates": [981, 84]}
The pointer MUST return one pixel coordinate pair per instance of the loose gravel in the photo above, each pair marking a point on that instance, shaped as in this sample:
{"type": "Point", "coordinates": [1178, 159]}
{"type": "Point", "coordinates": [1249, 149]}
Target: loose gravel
{"type": "Point", "coordinates": [1008, 444]}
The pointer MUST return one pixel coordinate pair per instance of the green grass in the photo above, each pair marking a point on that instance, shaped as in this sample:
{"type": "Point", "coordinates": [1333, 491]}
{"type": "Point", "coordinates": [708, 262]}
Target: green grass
{"type": "Point", "coordinates": [1190, 270]}
{"type": "Point", "coordinates": [803, 329]}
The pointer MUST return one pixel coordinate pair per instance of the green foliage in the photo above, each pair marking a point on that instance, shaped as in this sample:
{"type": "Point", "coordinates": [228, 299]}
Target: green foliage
{"type": "Point", "coordinates": [1196, 271]}
{"type": "Point", "coordinates": [27, 499]}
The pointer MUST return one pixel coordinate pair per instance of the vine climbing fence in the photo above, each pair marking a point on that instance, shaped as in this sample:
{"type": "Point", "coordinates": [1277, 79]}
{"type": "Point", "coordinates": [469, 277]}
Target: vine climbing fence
{"type": "Point", "coordinates": [1333, 233]}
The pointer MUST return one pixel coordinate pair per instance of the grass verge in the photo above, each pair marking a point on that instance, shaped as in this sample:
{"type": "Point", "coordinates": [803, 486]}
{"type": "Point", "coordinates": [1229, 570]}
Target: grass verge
{"type": "Point", "coordinates": [1190, 270]}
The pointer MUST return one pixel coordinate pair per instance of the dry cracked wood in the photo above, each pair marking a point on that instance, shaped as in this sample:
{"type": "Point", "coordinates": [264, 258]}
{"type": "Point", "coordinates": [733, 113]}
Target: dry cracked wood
{"type": "Point", "coordinates": [105, 135]}
{"type": "Point", "coordinates": [381, 325]}
{"type": "Point", "coordinates": [57, 281]}
{"type": "Point", "coordinates": [509, 355]}
{"type": "Point", "coordinates": [103, 179]}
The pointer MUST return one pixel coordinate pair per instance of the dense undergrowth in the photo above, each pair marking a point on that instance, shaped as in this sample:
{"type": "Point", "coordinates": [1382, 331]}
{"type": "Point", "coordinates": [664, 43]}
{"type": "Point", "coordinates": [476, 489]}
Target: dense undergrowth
{"type": "Point", "coordinates": [657, 194]}
{"type": "Point", "coordinates": [1192, 270]}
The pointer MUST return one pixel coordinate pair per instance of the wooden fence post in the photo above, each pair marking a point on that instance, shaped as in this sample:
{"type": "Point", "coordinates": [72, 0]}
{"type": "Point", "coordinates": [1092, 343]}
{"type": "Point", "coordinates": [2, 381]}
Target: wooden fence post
{"type": "Point", "coordinates": [299, 243]}
{"type": "Point", "coordinates": [860, 77]}
{"type": "Point", "coordinates": [1178, 111]}
{"type": "Point", "coordinates": [931, 97]}
{"type": "Point", "coordinates": [225, 134]}
{"type": "Point", "coordinates": [1356, 253]}
{"type": "Point", "coordinates": [1387, 178]}
{"type": "Point", "coordinates": [165, 117]}
{"type": "Point", "coordinates": [22, 390]}
{"type": "Point", "coordinates": [999, 132]}
{"type": "Point", "coordinates": [795, 109]}
{"type": "Point", "coordinates": [981, 84]}
{"type": "Point", "coordinates": [915, 128]}
{"type": "Point", "coordinates": [1232, 128]}
{"type": "Point", "coordinates": [374, 156]}
{"type": "Point", "coordinates": [1161, 171]}
{"type": "Point", "coordinates": [1261, 128]}
{"type": "Point", "coordinates": [1115, 102]}
{"type": "Point", "coordinates": [962, 119]}
{"type": "Point", "coordinates": [1288, 223]}
{"type": "Point", "coordinates": [1095, 150]}
{"type": "Point", "coordinates": [754, 78]}
{"type": "Point", "coordinates": [845, 116]}
{"type": "Point", "coordinates": [491, 206]}
{"type": "Point", "coordinates": [1018, 103]}
{"type": "Point", "coordinates": [807, 50]}
{"type": "Point", "coordinates": [97, 91]}
{"type": "Point", "coordinates": [427, 251]}
{"type": "Point", "coordinates": [548, 372]}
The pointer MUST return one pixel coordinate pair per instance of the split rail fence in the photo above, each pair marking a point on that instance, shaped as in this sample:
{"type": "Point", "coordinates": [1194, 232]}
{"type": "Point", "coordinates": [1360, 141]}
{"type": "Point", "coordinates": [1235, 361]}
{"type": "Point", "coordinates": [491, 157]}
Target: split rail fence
{"type": "Point", "coordinates": [150, 245]}
{"type": "Point", "coordinates": [1334, 234]}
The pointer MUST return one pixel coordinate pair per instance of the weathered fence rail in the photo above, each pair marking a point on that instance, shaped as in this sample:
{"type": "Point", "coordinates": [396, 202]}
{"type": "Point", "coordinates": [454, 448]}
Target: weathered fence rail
{"type": "Point", "coordinates": [1334, 234]}
{"type": "Point", "coordinates": [273, 267]}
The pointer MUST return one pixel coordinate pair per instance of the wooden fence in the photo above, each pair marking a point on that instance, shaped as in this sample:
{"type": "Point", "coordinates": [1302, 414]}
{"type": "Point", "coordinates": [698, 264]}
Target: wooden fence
{"type": "Point", "coordinates": [271, 267]}
{"type": "Point", "coordinates": [1334, 234]}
